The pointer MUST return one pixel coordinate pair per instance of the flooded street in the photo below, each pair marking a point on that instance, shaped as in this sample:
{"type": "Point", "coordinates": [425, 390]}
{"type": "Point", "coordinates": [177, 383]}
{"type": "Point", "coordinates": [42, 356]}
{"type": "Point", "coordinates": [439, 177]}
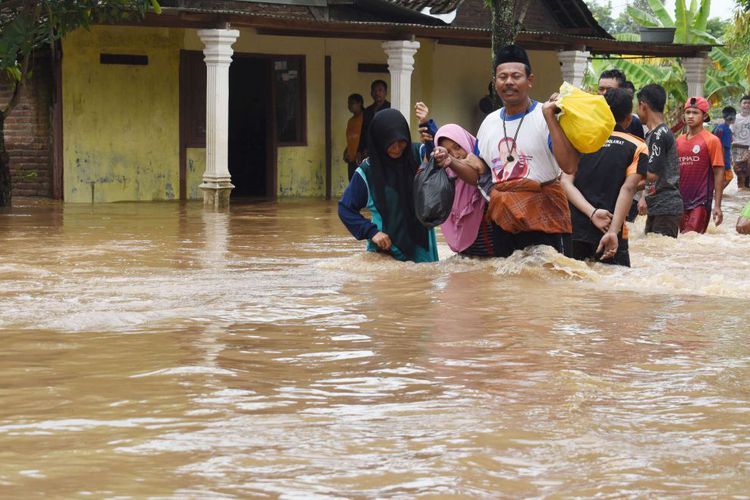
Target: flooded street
{"type": "Point", "coordinates": [157, 349]}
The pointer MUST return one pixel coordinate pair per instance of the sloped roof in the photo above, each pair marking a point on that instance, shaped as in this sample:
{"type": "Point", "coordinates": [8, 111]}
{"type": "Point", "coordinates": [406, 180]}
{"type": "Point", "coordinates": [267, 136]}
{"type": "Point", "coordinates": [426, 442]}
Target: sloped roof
{"type": "Point", "coordinates": [435, 6]}
{"type": "Point", "coordinates": [571, 17]}
{"type": "Point", "coordinates": [383, 20]}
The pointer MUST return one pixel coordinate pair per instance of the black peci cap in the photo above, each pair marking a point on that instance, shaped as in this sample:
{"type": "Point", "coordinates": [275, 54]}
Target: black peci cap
{"type": "Point", "coordinates": [512, 53]}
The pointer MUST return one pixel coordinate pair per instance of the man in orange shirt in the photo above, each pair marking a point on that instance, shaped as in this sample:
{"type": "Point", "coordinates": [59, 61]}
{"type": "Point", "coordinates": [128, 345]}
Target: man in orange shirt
{"type": "Point", "coordinates": [701, 169]}
{"type": "Point", "coordinates": [356, 105]}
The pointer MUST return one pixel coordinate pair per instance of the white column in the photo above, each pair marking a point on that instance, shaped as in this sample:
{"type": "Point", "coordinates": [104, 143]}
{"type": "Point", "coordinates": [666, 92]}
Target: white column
{"type": "Point", "coordinates": [218, 52]}
{"type": "Point", "coordinates": [573, 64]}
{"type": "Point", "coordinates": [695, 74]}
{"type": "Point", "coordinates": [400, 66]}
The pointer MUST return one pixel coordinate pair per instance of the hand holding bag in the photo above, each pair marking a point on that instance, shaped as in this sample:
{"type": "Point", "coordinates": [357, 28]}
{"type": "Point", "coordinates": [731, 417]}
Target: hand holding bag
{"type": "Point", "coordinates": [434, 191]}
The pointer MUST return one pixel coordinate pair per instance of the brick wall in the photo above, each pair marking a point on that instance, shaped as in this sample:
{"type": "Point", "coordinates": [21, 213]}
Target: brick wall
{"type": "Point", "coordinates": [28, 134]}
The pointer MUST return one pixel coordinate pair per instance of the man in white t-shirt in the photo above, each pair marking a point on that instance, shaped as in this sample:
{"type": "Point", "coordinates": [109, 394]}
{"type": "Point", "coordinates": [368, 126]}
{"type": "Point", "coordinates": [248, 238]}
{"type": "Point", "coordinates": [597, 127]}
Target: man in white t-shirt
{"type": "Point", "coordinates": [526, 149]}
{"type": "Point", "coordinates": [741, 144]}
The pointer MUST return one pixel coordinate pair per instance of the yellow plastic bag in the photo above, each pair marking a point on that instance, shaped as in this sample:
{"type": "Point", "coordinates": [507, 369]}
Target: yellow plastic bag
{"type": "Point", "coordinates": [585, 118]}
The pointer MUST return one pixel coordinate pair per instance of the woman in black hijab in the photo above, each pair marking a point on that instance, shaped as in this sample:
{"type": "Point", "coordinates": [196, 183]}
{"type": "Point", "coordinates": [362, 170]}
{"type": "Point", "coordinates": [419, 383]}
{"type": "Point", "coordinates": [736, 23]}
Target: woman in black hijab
{"type": "Point", "coordinates": [383, 184]}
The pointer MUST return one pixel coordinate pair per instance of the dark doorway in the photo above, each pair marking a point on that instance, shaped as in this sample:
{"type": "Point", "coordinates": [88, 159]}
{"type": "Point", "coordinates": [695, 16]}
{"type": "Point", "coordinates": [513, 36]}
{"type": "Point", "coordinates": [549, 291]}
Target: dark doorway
{"type": "Point", "coordinates": [250, 139]}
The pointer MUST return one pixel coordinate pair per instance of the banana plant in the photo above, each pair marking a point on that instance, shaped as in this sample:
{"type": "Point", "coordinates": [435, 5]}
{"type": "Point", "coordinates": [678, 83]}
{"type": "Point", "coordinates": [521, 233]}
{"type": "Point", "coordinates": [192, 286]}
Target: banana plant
{"type": "Point", "coordinates": [727, 77]}
{"type": "Point", "coordinates": [689, 21]}
{"type": "Point", "coordinates": [667, 72]}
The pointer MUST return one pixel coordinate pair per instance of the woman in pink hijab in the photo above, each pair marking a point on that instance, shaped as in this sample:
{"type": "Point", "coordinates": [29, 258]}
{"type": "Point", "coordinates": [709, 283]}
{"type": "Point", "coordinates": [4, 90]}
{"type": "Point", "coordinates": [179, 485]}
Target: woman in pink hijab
{"type": "Point", "coordinates": [465, 230]}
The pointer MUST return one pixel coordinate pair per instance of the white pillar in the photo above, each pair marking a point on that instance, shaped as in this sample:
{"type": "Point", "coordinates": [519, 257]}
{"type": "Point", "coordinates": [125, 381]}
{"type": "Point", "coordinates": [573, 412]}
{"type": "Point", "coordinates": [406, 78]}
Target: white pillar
{"type": "Point", "coordinates": [573, 64]}
{"type": "Point", "coordinates": [218, 52]}
{"type": "Point", "coordinates": [695, 74]}
{"type": "Point", "coordinates": [400, 66]}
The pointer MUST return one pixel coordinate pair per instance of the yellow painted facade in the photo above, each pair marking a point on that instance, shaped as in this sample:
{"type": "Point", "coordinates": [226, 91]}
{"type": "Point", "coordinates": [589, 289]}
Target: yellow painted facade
{"type": "Point", "coordinates": [121, 123]}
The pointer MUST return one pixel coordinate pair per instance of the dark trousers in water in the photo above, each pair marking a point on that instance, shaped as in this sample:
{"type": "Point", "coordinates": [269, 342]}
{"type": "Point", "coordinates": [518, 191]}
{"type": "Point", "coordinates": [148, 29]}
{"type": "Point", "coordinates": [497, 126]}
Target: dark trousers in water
{"type": "Point", "coordinates": [633, 212]}
{"type": "Point", "coordinates": [505, 243]}
{"type": "Point", "coordinates": [584, 250]}
{"type": "Point", "coordinates": [668, 225]}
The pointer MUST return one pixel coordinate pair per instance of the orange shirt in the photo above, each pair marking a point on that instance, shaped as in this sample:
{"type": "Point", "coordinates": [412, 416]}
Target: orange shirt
{"type": "Point", "coordinates": [353, 130]}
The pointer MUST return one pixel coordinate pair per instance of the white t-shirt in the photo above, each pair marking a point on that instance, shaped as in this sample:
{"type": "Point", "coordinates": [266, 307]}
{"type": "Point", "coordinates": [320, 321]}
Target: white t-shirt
{"type": "Point", "coordinates": [741, 130]}
{"type": "Point", "coordinates": [532, 153]}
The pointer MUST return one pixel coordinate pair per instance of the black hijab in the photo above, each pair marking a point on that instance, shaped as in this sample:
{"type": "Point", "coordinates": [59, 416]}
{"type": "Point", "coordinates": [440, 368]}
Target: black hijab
{"type": "Point", "coordinates": [391, 181]}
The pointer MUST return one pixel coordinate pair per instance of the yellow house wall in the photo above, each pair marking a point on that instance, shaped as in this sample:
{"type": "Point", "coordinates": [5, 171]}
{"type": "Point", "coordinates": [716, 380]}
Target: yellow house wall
{"type": "Point", "coordinates": [346, 80]}
{"type": "Point", "coordinates": [461, 76]}
{"type": "Point", "coordinates": [300, 169]}
{"type": "Point", "coordinates": [196, 166]}
{"type": "Point", "coordinates": [121, 123]}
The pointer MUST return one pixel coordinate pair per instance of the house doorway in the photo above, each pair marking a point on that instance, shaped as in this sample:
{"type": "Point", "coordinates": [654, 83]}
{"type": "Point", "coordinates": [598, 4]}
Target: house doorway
{"type": "Point", "coordinates": [250, 154]}
{"type": "Point", "coordinates": [252, 147]}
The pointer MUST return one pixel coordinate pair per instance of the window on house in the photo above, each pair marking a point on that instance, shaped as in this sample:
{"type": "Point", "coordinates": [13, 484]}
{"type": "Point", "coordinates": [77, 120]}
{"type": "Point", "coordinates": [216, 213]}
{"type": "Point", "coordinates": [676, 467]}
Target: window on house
{"type": "Point", "coordinates": [289, 90]}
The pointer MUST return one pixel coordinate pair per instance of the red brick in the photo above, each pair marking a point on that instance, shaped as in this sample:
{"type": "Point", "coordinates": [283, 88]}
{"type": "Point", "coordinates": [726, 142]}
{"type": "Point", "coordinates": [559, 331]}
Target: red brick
{"type": "Point", "coordinates": [28, 136]}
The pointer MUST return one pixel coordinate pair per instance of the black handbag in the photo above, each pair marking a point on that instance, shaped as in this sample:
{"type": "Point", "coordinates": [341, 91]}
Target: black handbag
{"type": "Point", "coordinates": [434, 190]}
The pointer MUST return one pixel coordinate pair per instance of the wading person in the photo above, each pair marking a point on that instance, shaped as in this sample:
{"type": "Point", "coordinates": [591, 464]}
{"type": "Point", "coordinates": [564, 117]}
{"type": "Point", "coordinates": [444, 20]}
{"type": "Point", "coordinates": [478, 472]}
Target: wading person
{"type": "Point", "coordinates": [741, 144]}
{"type": "Point", "coordinates": [701, 169]}
{"type": "Point", "coordinates": [466, 231]}
{"type": "Point", "coordinates": [724, 132]}
{"type": "Point", "coordinates": [378, 91]}
{"type": "Point", "coordinates": [662, 201]}
{"type": "Point", "coordinates": [355, 104]}
{"type": "Point", "coordinates": [525, 148]}
{"type": "Point", "coordinates": [615, 79]}
{"type": "Point", "coordinates": [383, 184]}
{"type": "Point", "coordinates": [601, 191]}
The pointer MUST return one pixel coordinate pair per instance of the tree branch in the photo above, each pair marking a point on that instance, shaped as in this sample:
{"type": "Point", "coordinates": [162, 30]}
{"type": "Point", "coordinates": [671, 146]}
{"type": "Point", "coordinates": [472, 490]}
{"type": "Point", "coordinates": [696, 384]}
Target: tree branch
{"type": "Point", "coordinates": [13, 102]}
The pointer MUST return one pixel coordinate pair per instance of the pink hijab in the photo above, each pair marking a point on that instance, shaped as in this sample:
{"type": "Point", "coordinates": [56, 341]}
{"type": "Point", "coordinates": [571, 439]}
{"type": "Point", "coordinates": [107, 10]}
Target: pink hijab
{"type": "Point", "coordinates": [462, 226]}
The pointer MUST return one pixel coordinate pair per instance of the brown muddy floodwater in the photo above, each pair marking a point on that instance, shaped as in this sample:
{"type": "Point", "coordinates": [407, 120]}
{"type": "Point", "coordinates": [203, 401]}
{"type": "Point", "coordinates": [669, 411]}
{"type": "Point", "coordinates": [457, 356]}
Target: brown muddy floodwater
{"type": "Point", "coordinates": [161, 350]}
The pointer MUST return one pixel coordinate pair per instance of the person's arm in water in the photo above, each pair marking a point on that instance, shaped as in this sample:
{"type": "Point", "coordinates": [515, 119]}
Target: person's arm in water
{"type": "Point", "coordinates": [718, 192]}
{"type": "Point", "coordinates": [716, 151]}
{"type": "Point", "coordinates": [351, 203]}
{"type": "Point", "coordinates": [609, 242]}
{"type": "Point", "coordinates": [566, 155]}
{"type": "Point", "coordinates": [599, 217]}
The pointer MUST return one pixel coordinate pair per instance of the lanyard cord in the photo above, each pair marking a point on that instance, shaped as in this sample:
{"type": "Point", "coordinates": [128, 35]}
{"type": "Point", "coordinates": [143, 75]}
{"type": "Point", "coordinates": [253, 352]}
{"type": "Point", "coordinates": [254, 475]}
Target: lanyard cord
{"type": "Point", "coordinates": [510, 158]}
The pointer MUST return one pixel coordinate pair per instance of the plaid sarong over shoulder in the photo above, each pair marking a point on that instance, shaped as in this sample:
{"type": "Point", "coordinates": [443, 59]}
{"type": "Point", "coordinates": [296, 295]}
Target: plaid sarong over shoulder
{"type": "Point", "coordinates": [524, 205]}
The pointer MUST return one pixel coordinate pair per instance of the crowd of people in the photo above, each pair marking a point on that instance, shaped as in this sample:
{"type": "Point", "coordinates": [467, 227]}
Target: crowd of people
{"type": "Point", "coordinates": [520, 182]}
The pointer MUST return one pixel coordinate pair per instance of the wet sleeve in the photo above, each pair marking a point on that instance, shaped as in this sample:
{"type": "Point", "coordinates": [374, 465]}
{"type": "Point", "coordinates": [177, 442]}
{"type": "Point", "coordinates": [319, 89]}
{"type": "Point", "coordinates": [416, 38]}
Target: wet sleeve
{"type": "Point", "coordinates": [640, 161]}
{"type": "Point", "coordinates": [432, 129]}
{"type": "Point", "coordinates": [716, 151]}
{"type": "Point", "coordinates": [351, 203]}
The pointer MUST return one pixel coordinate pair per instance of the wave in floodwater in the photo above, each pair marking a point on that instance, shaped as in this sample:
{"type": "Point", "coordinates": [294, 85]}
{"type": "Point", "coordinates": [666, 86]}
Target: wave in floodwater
{"type": "Point", "coordinates": [179, 353]}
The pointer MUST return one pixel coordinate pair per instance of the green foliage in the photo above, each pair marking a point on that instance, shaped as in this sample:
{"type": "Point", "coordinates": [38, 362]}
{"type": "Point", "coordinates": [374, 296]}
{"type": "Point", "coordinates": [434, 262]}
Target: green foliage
{"type": "Point", "coordinates": [660, 11]}
{"type": "Point", "coordinates": [737, 34]}
{"type": "Point", "coordinates": [623, 23]}
{"type": "Point", "coordinates": [666, 72]}
{"type": "Point", "coordinates": [603, 15]}
{"type": "Point", "coordinates": [643, 18]}
{"type": "Point", "coordinates": [727, 78]}
{"type": "Point", "coordinates": [717, 27]}
{"type": "Point", "coordinates": [26, 25]}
